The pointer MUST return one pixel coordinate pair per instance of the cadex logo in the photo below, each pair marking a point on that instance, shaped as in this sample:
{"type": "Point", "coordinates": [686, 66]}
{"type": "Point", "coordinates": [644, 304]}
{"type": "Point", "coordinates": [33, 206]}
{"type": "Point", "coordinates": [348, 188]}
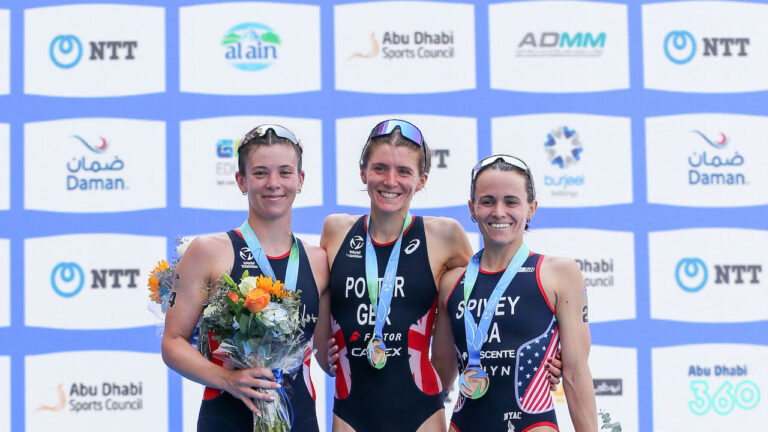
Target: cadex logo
{"type": "Point", "coordinates": [251, 46]}
{"type": "Point", "coordinates": [66, 51]}
{"type": "Point", "coordinates": [680, 46]}
{"type": "Point", "coordinates": [691, 274]}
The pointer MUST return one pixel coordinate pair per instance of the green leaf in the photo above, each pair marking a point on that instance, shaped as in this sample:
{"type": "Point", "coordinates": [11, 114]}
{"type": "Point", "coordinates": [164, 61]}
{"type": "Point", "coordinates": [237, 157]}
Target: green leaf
{"type": "Point", "coordinates": [231, 38]}
{"type": "Point", "coordinates": [271, 38]}
{"type": "Point", "coordinates": [228, 280]}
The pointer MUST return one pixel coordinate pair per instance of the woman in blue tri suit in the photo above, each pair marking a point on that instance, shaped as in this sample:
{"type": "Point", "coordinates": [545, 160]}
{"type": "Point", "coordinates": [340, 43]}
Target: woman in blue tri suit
{"type": "Point", "coordinates": [384, 378]}
{"type": "Point", "coordinates": [270, 176]}
{"type": "Point", "coordinates": [501, 317]}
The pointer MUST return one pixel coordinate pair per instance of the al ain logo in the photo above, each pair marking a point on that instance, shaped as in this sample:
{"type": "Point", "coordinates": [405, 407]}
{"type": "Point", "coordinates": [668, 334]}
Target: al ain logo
{"type": "Point", "coordinates": [372, 53]}
{"type": "Point", "coordinates": [59, 406]}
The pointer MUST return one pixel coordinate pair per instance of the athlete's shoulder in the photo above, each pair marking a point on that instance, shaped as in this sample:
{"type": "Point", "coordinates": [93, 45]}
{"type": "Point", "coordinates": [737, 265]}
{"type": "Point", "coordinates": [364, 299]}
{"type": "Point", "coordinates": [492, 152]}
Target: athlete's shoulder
{"type": "Point", "coordinates": [448, 282]}
{"type": "Point", "coordinates": [443, 227]}
{"type": "Point", "coordinates": [318, 261]}
{"type": "Point", "coordinates": [338, 223]}
{"type": "Point", "coordinates": [209, 254]}
{"type": "Point", "coordinates": [208, 245]}
{"type": "Point", "coordinates": [560, 273]}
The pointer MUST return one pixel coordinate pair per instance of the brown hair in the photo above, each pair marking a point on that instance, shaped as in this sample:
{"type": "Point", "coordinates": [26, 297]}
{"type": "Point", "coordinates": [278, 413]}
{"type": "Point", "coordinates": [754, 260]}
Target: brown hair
{"type": "Point", "coordinates": [252, 140]}
{"type": "Point", "coordinates": [397, 139]}
{"type": "Point", "coordinates": [500, 165]}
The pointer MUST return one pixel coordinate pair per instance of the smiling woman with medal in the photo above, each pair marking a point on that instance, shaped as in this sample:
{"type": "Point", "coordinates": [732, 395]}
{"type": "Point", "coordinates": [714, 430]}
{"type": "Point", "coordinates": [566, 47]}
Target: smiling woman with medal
{"type": "Point", "coordinates": [505, 314]}
{"type": "Point", "coordinates": [384, 268]}
{"type": "Point", "coordinates": [270, 177]}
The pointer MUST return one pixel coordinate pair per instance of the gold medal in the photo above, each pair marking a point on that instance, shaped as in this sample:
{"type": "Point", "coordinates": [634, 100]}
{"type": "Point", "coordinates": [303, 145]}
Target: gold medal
{"type": "Point", "coordinates": [474, 382]}
{"type": "Point", "coordinates": [376, 353]}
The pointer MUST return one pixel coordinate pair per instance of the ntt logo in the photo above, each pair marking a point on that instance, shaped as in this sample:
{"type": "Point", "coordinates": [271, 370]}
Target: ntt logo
{"type": "Point", "coordinates": [691, 274]}
{"type": "Point", "coordinates": [66, 51]}
{"type": "Point", "coordinates": [67, 279]}
{"type": "Point", "coordinates": [679, 46]}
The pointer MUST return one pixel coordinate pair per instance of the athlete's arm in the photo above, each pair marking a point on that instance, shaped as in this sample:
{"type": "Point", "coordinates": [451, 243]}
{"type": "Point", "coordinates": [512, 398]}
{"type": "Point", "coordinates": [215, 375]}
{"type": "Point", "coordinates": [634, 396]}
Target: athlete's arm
{"type": "Point", "coordinates": [335, 229]}
{"type": "Point", "coordinates": [443, 345]}
{"type": "Point", "coordinates": [562, 276]}
{"type": "Point", "coordinates": [318, 260]}
{"type": "Point", "coordinates": [195, 270]}
{"type": "Point", "coordinates": [448, 245]}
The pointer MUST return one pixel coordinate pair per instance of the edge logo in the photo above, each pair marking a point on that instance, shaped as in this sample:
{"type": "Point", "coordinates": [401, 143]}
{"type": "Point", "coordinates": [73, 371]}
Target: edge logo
{"type": "Point", "coordinates": [65, 51]}
{"type": "Point", "coordinates": [251, 46]}
{"type": "Point", "coordinates": [67, 279]}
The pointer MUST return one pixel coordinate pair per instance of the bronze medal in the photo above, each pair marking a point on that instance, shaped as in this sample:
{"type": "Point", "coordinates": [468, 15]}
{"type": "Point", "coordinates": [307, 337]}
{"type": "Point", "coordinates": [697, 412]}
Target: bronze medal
{"type": "Point", "coordinates": [474, 382]}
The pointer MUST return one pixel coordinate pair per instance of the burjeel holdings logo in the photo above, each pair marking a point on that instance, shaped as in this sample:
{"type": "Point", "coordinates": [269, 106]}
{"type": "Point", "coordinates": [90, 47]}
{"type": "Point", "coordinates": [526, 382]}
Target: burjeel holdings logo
{"type": "Point", "coordinates": [251, 46]}
{"type": "Point", "coordinates": [564, 150]}
{"type": "Point", "coordinates": [66, 51]}
{"type": "Point", "coordinates": [691, 274]}
{"type": "Point", "coordinates": [679, 46]}
{"type": "Point", "coordinates": [67, 279]}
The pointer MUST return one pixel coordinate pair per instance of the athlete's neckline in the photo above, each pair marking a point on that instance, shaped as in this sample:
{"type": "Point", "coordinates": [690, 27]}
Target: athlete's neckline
{"type": "Point", "coordinates": [365, 226]}
{"type": "Point", "coordinates": [285, 255]}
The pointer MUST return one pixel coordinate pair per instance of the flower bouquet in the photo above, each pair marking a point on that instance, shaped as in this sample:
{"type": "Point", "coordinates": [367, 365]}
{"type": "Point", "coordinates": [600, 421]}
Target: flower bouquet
{"type": "Point", "coordinates": [162, 281]}
{"type": "Point", "coordinates": [257, 324]}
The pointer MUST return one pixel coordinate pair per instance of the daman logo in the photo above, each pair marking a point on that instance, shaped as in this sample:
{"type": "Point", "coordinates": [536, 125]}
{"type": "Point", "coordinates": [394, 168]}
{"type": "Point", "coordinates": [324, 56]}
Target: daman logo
{"type": "Point", "coordinates": [717, 169]}
{"type": "Point", "coordinates": [251, 46]}
{"type": "Point", "coordinates": [89, 174]}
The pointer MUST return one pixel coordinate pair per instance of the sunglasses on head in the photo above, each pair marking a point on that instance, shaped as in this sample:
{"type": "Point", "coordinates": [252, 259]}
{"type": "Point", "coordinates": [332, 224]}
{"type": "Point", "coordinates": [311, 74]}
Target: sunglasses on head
{"type": "Point", "coordinates": [261, 131]}
{"type": "Point", "coordinates": [407, 130]}
{"type": "Point", "coordinates": [504, 158]}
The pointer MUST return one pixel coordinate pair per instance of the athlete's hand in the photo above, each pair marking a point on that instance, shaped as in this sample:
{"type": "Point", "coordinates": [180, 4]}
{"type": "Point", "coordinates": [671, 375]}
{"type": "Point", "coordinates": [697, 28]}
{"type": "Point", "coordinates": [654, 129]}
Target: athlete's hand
{"type": "Point", "coordinates": [333, 356]}
{"type": "Point", "coordinates": [242, 384]}
{"type": "Point", "coordinates": [555, 369]}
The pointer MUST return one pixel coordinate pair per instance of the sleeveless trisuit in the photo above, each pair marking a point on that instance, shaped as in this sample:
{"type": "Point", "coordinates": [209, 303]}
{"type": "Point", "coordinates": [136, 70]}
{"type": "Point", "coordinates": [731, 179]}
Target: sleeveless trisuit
{"type": "Point", "coordinates": [407, 391]}
{"type": "Point", "coordinates": [521, 337]}
{"type": "Point", "coordinates": [221, 411]}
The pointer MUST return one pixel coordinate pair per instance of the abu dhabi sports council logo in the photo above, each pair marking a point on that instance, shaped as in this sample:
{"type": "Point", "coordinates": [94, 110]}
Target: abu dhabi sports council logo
{"type": "Point", "coordinates": [251, 46]}
{"type": "Point", "coordinates": [691, 274]}
{"type": "Point", "coordinates": [66, 51]}
{"type": "Point", "coordinates": [563, 147]}
{"type": "Point", "coordinates": [67, 279]}
{"type": "Point", "coordinates": [680, 46]}
{"type": "Point", "coordinates": [409, 45]}
{"type": "Point", "coordinates": [105, 396]}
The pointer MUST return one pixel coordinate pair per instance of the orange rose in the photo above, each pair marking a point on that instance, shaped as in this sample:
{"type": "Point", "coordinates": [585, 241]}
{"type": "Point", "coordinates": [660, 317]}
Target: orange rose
{"type": "Point", "coordinates": [276, 288]}
{"type": "Point", "coordinates": [256, 300]}
{"type": "Point", "coordinates": [233, 296]}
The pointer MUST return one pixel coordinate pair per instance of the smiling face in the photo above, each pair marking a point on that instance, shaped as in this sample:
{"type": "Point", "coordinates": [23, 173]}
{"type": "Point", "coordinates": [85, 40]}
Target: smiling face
{"type": "Point", "coordinates": [501, 206]}
{"type": "Point", "coordinates": [271, 179]}
{"type": "Point", "coordinates": [392, 176]}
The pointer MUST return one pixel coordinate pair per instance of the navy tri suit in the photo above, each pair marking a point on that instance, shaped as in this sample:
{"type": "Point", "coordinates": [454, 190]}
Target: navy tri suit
{"type": "Point", "coordinates": [220, 411]}
{"type": "Point", "coordinates": [406, 391]}
{"type": "Point", "coordinates": [522, 336]}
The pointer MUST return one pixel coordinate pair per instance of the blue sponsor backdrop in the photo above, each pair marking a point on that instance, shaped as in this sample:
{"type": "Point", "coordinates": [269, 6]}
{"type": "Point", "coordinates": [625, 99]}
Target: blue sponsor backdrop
{"type": "Point", "coordinates": [328, 105]}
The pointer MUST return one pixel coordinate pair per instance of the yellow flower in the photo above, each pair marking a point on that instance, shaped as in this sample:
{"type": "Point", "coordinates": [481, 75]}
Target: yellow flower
{"type": "Point", "coordinates": [277, 288]}
{"type": "Point", "coordinates": [154, 280]}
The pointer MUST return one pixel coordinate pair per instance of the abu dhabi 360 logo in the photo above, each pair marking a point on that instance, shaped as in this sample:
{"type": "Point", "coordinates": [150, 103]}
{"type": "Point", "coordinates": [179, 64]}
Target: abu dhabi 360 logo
{"type": "Point", "coordinates": [251, 46]}
{"type": "Point", "coordinates": [680, 46]}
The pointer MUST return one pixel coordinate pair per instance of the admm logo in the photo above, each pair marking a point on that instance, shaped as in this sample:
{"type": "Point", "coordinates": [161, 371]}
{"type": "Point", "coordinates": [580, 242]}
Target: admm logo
{"type": "Point", "coordinates": [66, 51]}
{"type": "Point", "coordinates": [251, 46]}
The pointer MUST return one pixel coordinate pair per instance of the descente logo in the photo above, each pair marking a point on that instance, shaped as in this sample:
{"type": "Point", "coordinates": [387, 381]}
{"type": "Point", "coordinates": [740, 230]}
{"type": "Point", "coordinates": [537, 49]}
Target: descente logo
{"type": "Point", "coordinates": [251, 46]}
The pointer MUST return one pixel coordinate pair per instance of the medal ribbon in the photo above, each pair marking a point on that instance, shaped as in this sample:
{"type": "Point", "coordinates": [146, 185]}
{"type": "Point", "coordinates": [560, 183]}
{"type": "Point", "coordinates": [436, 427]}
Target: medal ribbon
{"type": "Point", "coordinates": [291, 272]}
{"type": "Point", "coordinates": [476, 334]}
{"type": "Point", "coordinates": [388, 283]}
